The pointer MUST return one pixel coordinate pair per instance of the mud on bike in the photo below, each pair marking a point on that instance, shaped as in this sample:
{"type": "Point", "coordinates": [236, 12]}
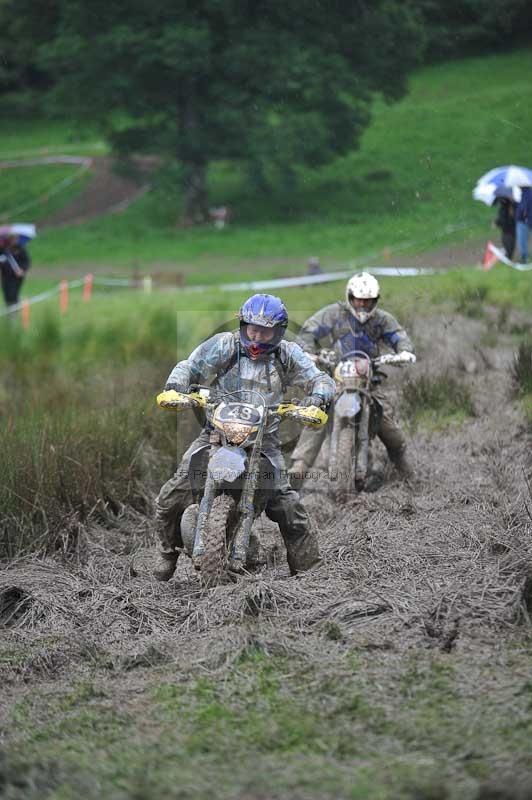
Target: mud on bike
{"type": "Point", "coordinates": [232, 478]}
{"type": "Point", "coordinates": [357, 416]}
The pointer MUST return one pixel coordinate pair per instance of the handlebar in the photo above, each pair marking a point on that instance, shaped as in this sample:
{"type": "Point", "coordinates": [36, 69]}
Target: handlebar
{"type": "Point", "coordinates": [310, 416]}
{"type": "Point", "coordinates": [330, 358]}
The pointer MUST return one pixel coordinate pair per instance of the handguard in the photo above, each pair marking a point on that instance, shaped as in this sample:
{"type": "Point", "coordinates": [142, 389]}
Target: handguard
{"type": "Point", "coordinates": [177, 401]}
{"type": "Point", "coordinates": [309, 416]}
{"type": "Point", "coordinates": [396, 359]}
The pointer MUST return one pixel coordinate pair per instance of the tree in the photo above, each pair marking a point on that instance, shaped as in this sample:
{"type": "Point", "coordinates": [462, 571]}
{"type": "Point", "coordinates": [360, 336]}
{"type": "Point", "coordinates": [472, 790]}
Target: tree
{"type": "Point", "coordinates": [456, 28]}
{"type": "Point", "coordinates": [266, 81]}
{"type": "Point", "coordinates": [20, 78]}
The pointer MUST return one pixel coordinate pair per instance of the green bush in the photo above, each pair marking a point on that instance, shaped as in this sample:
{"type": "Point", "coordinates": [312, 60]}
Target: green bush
{"type": "Point", "coordinates": [56, 473]}
{"type": "Point", "coordinates": [439, 400]}
{"type": "Point", "coordinates": [100, 445]}
{"type": "Point", "coordinates": [472, 300]}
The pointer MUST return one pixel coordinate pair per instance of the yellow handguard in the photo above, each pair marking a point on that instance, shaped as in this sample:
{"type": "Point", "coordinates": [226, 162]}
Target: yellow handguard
{"type": "Point", "coordinates": [177, 401]}
{"type": "Point", "coordinates": [309, 416]}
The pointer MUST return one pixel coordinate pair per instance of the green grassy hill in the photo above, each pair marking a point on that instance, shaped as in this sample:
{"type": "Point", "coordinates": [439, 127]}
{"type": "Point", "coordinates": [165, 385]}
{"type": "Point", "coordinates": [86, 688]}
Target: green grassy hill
{"type": "Point", "coordinates": [408, 187]}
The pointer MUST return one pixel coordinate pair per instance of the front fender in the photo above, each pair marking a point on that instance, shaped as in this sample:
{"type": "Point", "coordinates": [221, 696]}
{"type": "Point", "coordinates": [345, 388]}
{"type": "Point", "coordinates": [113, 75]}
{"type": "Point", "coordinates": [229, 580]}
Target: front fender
{"type": "Point", "coordinates": [227, 464]}
{"type": "Point", "coordinates": [348, 405]}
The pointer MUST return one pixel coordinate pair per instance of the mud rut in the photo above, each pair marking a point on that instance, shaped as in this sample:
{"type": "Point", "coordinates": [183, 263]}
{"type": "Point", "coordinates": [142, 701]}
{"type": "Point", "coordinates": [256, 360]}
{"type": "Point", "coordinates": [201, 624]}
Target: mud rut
{"type": "Point", "coordinates": [440, 564]}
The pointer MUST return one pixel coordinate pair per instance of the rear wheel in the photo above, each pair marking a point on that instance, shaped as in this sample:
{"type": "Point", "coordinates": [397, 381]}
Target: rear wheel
{"type": "Point", "coordinates": [214, 559]}
{"type": "Point", "coordinates": [345, 456]}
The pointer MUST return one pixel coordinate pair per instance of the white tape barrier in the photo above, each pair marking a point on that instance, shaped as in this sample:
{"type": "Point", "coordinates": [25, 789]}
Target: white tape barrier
{"type": "Point", "coordinates": [307, 280]}
{"type": "Point", "coordinates": [37, 298]}
{"type": "Point", "coordinates": [275, 283]}
{"type": "Point", "coordinates": [84, 163]}
{"type": "Point", "coordinates": [501, 255]}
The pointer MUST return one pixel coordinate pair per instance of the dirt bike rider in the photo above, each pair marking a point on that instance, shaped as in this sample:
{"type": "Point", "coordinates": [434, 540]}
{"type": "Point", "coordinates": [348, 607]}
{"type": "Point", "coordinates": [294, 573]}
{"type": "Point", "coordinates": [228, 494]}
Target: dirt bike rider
{"type": "Point", "coordinates": [356, 324]}
{"type": "Point", "coordinates": [255, 357]}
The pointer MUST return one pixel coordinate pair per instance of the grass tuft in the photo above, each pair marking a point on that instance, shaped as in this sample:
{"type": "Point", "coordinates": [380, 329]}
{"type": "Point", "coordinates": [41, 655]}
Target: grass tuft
{"type": "Point", "coordinates": [436, 401]}
{"type": "Point", "coordinates": [522, 368]}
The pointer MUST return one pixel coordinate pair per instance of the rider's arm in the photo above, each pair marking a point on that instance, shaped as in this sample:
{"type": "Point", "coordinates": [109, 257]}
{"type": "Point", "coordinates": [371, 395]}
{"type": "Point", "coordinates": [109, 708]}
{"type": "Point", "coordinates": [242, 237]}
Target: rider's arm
{"type": "Point", "coordinates": [317, 329]}
{"type": "Point", "coordinates": [203, 363]}
{"type": "Point", "coordinates": [302, 371]}
{"type": "Point", "coordinates": [395, 336]}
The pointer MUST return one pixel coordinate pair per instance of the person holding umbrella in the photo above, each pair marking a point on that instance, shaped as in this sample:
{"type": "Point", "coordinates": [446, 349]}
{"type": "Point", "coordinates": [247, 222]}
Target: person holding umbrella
{"type": "Point", "coordinates": [14, 259]}
{"type": "Point", "coordinates": [513, 182]}
{"type": "Point", "coordinates": [505, 220]}
{"type": "Point", "coordinates": [523, 223]}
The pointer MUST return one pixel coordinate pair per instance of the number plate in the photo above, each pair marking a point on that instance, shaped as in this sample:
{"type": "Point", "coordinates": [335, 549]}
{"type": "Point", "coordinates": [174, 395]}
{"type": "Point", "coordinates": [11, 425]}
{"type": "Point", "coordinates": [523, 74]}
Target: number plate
{"type": "Point", "coordinates": [346, 369]}
{"type": "Point", "coordinates": [239, 412]}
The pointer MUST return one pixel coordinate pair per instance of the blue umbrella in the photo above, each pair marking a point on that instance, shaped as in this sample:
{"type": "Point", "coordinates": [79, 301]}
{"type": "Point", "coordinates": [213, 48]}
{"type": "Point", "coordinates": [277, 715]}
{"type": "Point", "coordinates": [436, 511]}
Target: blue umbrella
{"type": "Point", "coordinates": [17, 234]}
{"type": "Point", "coordinates": [14, 236]}
{"type": "Point", "coordinates": [489, 192]}
{"type": "Point", "coordinates": [508, 176]}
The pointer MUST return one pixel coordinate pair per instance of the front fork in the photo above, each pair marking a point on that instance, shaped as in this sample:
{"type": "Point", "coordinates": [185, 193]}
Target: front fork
{"type": "Point", "coordinates": [360, 442]}
{"type": "Point", "coordinates": [361, 448]}
{"type": "Point", "coordinates": [246, 507]}
{"type": "Point", "coordinates": [205, 506]}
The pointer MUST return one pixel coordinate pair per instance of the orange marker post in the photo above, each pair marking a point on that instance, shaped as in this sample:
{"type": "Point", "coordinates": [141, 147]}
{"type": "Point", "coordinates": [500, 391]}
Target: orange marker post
{"type": "Point", "coordinates": [489, 259]}
{"type": "Point", "coordinates": [25, 314]}
{"type": "Point", "coordinates": [87, 288]}
{"type": "Point", "coordinates": [63, 297]}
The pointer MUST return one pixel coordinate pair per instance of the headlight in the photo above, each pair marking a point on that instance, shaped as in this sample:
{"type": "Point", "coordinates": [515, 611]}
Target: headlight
{"type": "Point", "coordinates": [236, 432]}
{"type": "Point", "coordinates": [237, 420]}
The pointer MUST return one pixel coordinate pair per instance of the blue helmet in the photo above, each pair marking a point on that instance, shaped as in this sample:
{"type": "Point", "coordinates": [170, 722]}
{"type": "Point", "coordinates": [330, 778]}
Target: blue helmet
{"type": "Point", "coordinates": [266, 311]}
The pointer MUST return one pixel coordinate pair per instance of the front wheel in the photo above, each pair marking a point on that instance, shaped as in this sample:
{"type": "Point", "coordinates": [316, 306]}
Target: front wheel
{"type": "Point", "coordinates": [345, 457]}
{"type": "Point", "coordinates": [214, 559]}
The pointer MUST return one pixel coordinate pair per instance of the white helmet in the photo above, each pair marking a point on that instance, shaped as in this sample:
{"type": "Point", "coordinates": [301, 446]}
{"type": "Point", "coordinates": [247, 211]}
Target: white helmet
{"type": "Point", "coordinates": [365, 287]}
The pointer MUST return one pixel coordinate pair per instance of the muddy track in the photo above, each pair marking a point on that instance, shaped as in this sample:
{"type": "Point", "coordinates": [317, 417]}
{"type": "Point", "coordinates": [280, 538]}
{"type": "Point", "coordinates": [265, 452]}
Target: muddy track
{"type": "Point", "coordinates": [441, 565]}
{"type": "Point", "coordinates": [453, 546]}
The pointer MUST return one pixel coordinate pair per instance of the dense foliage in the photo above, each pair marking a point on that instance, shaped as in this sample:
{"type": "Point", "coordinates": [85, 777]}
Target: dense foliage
{"type": "Point", "coordinates": [267, 83]}
{"type": "Point", "coordinates": [455, 28]}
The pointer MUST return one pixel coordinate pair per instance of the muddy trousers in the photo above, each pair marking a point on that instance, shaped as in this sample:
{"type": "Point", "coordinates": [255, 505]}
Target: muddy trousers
{"type": "Point", "coordinates": [284, 508]}
{"type": "Point", "coordinates": [310, 442]}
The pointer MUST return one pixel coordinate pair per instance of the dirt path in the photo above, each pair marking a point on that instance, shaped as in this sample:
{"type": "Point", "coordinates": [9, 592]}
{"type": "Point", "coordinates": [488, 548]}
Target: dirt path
{"type": "Point", "coordinates": [107, 193]}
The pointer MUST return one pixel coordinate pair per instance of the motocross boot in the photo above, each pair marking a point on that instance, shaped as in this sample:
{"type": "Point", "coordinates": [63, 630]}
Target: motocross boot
{"type": "Point", "coordinates": [165, 564]}
{"type": "Point", "coordinates": [296, 474]}
{"type": "Point", "coordinates": [401, 463]}
{"type": "Point", "coordinates": [303, 553]}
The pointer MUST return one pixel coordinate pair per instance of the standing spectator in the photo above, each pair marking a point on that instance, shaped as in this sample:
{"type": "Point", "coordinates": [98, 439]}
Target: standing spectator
{"type": "Point", "coordinates": [505, 220]}
{"type": "Point", "coordinates": [314, 267]}
{"type": "Point", "coordinates": [14, 263]}
{"type": "Point", "coordinates": [523, 217]}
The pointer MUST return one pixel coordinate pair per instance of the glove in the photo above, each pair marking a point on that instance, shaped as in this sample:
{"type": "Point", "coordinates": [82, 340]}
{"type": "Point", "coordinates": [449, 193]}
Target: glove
{"type": "Point", "coordinates": [406, 357]}
{"type": "Point", "coordinates": [176, 387]}
{"type": "Point", "coordinates": [327, 357]}
{"type": "Point", "coordinates": [313, 400]}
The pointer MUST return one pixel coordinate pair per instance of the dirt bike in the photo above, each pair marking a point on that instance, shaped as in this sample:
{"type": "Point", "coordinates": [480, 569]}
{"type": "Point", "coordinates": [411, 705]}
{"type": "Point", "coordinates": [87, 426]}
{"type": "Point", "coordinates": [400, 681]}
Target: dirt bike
{"type": "Point", "coordinates": [357, 417]}
{"type": "Point", "coordinates": [232, 479]}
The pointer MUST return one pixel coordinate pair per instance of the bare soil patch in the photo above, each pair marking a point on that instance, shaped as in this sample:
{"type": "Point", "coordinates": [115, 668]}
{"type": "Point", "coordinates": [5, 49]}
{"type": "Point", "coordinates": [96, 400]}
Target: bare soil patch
{"type": "Point", "coordinates": [108, 192]}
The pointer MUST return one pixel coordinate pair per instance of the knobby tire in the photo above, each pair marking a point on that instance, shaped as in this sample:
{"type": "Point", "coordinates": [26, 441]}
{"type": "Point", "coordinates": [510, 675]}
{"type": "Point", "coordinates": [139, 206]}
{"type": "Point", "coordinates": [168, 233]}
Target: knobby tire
{"type": "Point", "coordinates": [213, 563]}
{"type": "Point", "coordinates": [345, 458]}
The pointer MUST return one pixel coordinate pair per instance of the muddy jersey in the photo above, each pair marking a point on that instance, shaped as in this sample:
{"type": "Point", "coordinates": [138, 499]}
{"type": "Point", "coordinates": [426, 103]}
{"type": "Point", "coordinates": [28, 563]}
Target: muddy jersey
{"type": "Point", "coordinates": [221, 362]}
{"type": "Point", "coordinates": [335, 326]}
